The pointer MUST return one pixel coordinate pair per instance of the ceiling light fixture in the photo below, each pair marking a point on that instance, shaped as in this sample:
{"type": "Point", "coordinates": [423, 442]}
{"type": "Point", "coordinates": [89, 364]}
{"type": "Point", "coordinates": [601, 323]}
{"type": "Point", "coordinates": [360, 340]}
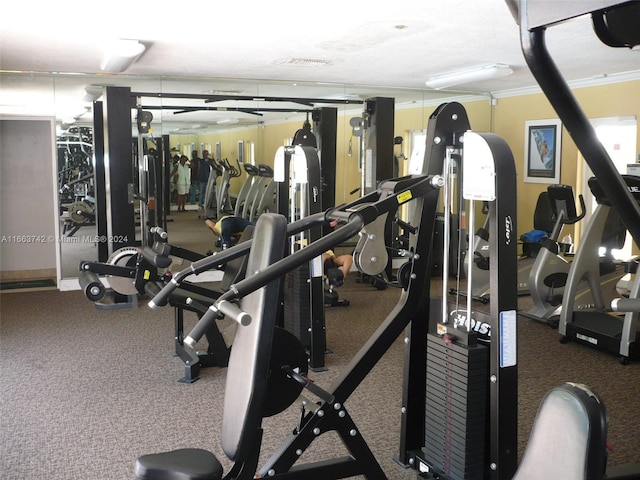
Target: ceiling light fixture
{"type": "Point", "coordinates": [227, 121]}
{"type": "Point", "coordinates": [120, 55]}
{"type": "Point", "coordinates": [484, 72]}
{"type": "Point", "coordinates": [92, 93]}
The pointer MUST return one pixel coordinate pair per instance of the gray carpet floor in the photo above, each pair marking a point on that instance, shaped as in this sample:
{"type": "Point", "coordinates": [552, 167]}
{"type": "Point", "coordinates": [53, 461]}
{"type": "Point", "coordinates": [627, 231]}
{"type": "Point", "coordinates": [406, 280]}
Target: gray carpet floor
{"type": "Point", "coordinates": [84, 392]}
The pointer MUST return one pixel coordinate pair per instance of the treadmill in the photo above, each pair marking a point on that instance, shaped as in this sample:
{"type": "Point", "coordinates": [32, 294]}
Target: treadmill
{"type": "Point", "coordinates": [598, 326]}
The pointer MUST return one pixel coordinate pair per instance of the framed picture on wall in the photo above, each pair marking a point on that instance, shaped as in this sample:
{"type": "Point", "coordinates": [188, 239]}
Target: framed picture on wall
{"type": "Point", "coordinates": [542, 149]}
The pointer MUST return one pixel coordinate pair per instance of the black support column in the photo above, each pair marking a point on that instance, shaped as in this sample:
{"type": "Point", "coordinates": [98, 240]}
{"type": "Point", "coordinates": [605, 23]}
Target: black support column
{"type": "Point", "coordinates": [118, 167]}
{"type": "Point", "coordinates": [99, 176]}
{"type": "Point", "coordinates": [325, 126]}
{"type": "Point", "coordinates": [378, 154]}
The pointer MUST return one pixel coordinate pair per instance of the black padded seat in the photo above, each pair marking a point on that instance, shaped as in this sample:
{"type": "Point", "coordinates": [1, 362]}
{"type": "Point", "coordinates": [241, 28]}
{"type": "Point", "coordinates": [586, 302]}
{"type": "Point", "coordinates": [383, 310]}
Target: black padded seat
{"type": "Point", "coordinates": [568, 437]}
{"type": "Point", "coordinates": [184, 464]}
{"type": "Point", "coordinates": [247, 373]}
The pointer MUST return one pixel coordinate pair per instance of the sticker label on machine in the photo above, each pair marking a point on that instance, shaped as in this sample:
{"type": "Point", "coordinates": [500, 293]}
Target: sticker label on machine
{"type": "Point", "coordinates": [508, 339]}
{"type": "Point", "coordinates": [478, 182]}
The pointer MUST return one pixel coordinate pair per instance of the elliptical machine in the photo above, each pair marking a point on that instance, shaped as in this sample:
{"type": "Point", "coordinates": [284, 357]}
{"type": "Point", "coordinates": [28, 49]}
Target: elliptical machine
{"type": "Point", "coordinates": [549, 272]}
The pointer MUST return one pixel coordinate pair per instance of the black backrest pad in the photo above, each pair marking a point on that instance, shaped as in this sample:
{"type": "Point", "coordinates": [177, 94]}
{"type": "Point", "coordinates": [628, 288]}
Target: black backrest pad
{"type": "Point", "coordinates": [562, 199]}
{"type": "Point", "coordinates": [568, 438]}
{"type": "Point", "coordinates": [543, 216]}
{"type": "Point", "coordinates": [249, 360]}
{"type": "Point", "coordinates": [633, 184]}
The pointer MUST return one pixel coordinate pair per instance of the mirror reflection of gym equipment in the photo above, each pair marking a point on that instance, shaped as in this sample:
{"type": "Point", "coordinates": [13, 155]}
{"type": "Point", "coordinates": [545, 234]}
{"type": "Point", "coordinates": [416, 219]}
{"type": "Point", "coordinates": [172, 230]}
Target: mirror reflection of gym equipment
{"type": "Point", "coordinates": [232, 313]}
{"type": "Point", "coordinates": [243, 413]}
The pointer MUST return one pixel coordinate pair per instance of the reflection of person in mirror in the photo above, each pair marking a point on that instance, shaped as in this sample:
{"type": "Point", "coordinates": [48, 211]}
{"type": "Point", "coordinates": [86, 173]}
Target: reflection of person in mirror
{"type": "Point", "coordinates": [228, 228]}
{"type": "Point", "coordinates": [195, 164]}
{"type": "Point", "coordinates": [331, 260]}
{"type": "Point", "coordinates": [181, 173]}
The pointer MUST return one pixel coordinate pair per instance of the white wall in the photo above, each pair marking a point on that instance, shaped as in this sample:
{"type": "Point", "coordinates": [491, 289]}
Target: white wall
{"type": "Point", "coordinates": [27, 196]}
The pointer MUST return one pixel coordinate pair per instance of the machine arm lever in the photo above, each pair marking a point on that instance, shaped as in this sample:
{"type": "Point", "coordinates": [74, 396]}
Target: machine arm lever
{"type": "Point", "coordinates": [625, 304]}
{"type": "Point", "coordinates": [220, 308]}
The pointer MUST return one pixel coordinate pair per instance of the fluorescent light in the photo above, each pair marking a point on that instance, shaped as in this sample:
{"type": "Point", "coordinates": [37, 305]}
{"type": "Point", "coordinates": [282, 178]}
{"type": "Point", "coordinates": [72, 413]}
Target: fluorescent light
{"type": "Point", "coordinates": [485, 72]}
{"type": "Point", "coordinates": [120, 55]}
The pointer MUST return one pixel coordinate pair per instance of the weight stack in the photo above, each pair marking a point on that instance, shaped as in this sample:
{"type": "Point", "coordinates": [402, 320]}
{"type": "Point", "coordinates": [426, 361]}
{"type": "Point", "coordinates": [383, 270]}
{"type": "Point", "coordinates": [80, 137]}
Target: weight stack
{"type": "Point", "coordinates": [297, 304]}
{"type": "Point", "coordinates": [456, 409]}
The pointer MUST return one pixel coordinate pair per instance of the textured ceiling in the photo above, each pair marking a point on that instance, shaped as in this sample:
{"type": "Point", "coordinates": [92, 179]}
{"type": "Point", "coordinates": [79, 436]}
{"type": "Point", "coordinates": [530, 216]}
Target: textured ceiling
{"type": "Point", "coordinates": [330, 49]}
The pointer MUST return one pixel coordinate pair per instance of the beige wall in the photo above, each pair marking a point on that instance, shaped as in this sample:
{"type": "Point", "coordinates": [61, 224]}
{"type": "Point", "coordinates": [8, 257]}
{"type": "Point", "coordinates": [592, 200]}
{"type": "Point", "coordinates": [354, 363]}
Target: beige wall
{"type": "Point", "coordinates": [511, 113]}
{"type": "Point", "coordinates": [506, 118]}
{"type": "Point", "coordinates": [267, 139]}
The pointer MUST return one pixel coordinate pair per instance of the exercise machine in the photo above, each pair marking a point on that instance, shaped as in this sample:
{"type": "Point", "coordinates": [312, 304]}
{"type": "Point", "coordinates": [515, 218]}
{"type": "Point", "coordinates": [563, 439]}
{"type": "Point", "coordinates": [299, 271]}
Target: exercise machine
{"type": "Point", "coordinates": [259, 353]}
{"type": "Point", "coordinates": [548, 275]}
{"type": "Point", "coordinates": [597, 326]}
{"type": "Point", "coordinates": [245, 190]}
{"type": "Point", "coordinates": [76, 181]}
{"type": "Point", "coordinates": [297, 176]}
{"type": "Point", "coordinates": [267, 198]}
{"type": "Point", "coordinates": [544, 221]}
{"type": "Point", "coordinates": [265, 178]}
{"type": "Point", "coordinates": [210, 192]}
{"type": "Point", "coordinates": [223, 198]}
{"type": "Point", "coordinates": [615, 24]}
{"type": "Point", "coordinates": [479, 262]}
{"type": "Point", "coordinates": [376, 161]}
{"type": "Point", "coordinates": [330, 412]}
{"type": "Point", "coordinates": [262, 351]}
{"type": "Point", "coordinates": [135, 272]}
{"type": "Point", "coordinates": [194, 298]}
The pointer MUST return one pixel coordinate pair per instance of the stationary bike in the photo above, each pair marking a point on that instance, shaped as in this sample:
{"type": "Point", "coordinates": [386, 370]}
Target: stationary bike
{"type": "Point", "coordinates": [480, 288]}
{"type": "Point", "coordinates": [548, 274]}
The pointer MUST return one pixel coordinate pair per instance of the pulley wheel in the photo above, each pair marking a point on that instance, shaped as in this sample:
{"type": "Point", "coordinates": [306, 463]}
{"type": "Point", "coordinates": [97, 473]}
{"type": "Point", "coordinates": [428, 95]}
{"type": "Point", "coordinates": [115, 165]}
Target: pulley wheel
{"type": "Point", "coordinates": [123, 257]}
{"type": "Point", "coordinates": [76, 210]}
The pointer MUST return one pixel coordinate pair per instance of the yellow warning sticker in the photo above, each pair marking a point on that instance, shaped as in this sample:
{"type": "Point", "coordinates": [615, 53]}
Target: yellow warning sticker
{"type": "Point", "coordinates": [404, 196]}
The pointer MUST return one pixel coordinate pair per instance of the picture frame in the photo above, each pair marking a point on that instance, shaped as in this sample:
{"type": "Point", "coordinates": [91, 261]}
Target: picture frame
{"type": "Point", "coordinates": [542, 151]}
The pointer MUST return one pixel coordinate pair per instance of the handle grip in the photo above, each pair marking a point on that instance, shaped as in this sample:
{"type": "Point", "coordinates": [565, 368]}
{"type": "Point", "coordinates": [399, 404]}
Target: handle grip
{"type": "Point", "coordinates": [207, 320]}
{"type": "Point", "coordinates": [625, 304]}
{"type": "Point", "coordinates": [234, 312]}
{"type": "Point", "coordinates": [161, 299]}
{"type": "Point", "coordinates": [159, 231]}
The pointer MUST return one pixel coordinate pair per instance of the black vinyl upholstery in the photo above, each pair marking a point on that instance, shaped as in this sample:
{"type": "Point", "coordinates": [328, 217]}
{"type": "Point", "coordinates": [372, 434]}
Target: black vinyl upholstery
{"type": "Point", "coordinates": [249, 361]}
{"type": "Point", "coordinates": [183, 464]}
{"type": "Point", "coordinates": [543, 217]}
{"type": "Point", "coordinates": [568, 437]}
{"type": "Point", "coordinates": [247, 373]}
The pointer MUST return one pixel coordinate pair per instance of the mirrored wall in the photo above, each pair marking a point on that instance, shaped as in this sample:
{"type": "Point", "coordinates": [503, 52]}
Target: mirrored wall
{"type": "Point", "coordinates": [239, 121]}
